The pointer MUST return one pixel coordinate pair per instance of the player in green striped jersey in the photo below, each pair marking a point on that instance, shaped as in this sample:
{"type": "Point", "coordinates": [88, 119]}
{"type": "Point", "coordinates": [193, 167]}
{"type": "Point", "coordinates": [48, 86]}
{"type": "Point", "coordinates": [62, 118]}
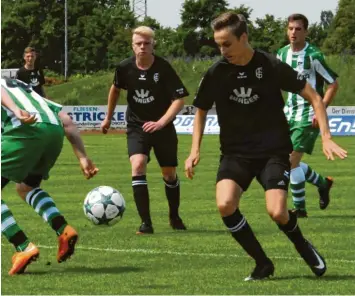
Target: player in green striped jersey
{"type": "Point", "coordinates": [309, 61]}
{"type": "Point", "coordinates": [33, 129]}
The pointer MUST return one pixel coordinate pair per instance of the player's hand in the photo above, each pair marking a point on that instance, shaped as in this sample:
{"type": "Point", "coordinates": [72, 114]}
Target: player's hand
{"type": "Point", "coordinates": [88, 168]}
{"type": "Point", "coordinates": [330, 148]}
{"type": "Point", "coordinates": [315, 122]}
{"type": "Point", "coordinates": [190, 163]}
{"type": "Point", "coordinates": [152, 126]}
{"type": "Point", "coordinates": [25, 117]}
{"type": "Point", "coordinates": [105, 125]}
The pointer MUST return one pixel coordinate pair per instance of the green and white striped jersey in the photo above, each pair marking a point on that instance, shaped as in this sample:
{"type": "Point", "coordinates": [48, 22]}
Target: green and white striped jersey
{"type": "Point", "coordinates": [310, 63]}
{"type": "Point", "coordinates": [26, 99]}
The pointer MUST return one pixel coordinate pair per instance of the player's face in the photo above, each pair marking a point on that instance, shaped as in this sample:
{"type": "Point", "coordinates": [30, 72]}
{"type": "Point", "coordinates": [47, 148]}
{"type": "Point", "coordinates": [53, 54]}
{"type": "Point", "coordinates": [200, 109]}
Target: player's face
{"type": "Point", "coordinates": [30, 58]}
{"type": "Point", "coordinates": [296, 32]}
{"type": "Point", "coordinates": [230, 46]}
{"type": "Point", "coordinates": [142, 45]}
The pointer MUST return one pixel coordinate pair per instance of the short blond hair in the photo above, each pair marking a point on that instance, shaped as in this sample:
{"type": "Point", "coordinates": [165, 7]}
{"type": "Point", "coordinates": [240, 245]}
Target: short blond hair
{"type": "Point", "coordinates": [144, 31]}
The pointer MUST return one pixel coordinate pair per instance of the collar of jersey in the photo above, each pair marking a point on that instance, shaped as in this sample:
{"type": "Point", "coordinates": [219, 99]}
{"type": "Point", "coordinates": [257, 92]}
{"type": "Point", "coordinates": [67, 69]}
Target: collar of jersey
{"type": "Point", "coordinates": [301, 51]}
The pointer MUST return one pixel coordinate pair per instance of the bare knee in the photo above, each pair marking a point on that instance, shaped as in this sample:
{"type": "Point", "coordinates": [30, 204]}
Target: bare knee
{"type": "Point", "coordinates": [169, 173]}
{"type": "Point", "coordinates": [138, 164]}
{"type": "Point", "coordinates": [280, 216]}
{"type": "Point", "coordinates": [226, 207]}
{"type": "Point", "coordinates": [23, 189]}
{"type": "Point", "coordinates": [227, 197]}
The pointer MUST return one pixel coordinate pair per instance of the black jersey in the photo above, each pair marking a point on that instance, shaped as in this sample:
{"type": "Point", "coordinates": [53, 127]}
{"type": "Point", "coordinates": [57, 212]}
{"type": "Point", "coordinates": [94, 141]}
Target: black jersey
{"type": "Point", "coordinates": [249, 104]}
{"type": "Point", "coordinates": [34, 78]}
{"type": "Point", "coordinates": [149, 92]}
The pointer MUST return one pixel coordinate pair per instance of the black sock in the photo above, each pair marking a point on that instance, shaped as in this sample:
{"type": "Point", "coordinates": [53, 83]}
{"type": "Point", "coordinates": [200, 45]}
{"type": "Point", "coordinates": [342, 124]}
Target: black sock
{"type": "Point", "coordinates": [141, 197]}
{"type": "Point", "coordinates": [172, 191]}
{"type": "Point", "coordinates": [292, 230]}
{"type": "Point", "coordinates": [58, 224]}
{"type": "Point", "coordinates": [243, 234]}
{"type": "Point", "coordinates": [18, 239]}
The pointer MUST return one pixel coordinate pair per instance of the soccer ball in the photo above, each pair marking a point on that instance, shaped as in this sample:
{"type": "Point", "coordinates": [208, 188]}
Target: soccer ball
{"type": "Point", "coordinates": [104, 205]}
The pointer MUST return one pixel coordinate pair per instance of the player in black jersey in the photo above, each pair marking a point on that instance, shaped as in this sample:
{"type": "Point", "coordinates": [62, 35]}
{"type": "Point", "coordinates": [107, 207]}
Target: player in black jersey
{"type": "Point", "coordinates": [245, 86]}
{"type": "Point", "coordinates": [30, 73]}
{"type": "Point", "coordinates": [155, 94]}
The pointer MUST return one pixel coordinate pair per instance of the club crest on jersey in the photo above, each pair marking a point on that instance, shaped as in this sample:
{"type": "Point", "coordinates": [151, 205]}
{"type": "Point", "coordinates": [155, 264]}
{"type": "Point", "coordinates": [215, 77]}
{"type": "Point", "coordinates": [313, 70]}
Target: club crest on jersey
{"type": "Point", "coordinates": [243, 96]}
{"type": "Point", "coordinates": [259, 72]}
{"type": "Point", "coordinates": [142, 97]}
{"type": "Point", "coordinates": [156, 77]}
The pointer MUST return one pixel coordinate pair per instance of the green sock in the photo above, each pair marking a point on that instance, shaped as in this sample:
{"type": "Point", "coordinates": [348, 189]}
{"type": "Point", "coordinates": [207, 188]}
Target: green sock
{"type": "Point", "coordinates": [298, 195]}
{"type": "Point", "coordinates": [44, 205]}
{"type": "Point", "coordinates": [11, 230]}
{"type": "Point", "coordinates": [312, 176]}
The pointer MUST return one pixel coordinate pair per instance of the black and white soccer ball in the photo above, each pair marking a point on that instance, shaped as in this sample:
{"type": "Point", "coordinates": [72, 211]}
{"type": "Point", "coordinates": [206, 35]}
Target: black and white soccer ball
{"type": "Point", "coordinates": [104, 205]}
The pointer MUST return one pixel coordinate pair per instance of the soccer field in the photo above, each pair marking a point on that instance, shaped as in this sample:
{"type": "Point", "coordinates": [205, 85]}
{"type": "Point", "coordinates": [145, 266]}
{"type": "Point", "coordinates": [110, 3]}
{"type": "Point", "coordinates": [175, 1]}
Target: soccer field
{"type": "Point", "coordinates": [203, 260]}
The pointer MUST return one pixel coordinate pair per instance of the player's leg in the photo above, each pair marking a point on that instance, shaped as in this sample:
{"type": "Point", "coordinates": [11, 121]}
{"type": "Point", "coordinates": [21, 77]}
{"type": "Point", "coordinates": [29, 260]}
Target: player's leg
{"type": "Point", "coordinates": [165, 144]}
{"type": "Point", "coordinates": [324, 184]}
{"type": "Point", "coordinates": [41, 201]}
{"type": "Point", "coordinates": [297, 176]}
{"type": "Point", "coordinates": [26, 252]}
{"type": "Point", "coordinates": [275, 183]}
{"type": "Point", "coordinates": [172, 191]}
{"type": "Point", "coordinates": [16, 161]}
{"type": "Point", "coordinates": [234, 176]}
{"type": "Point", "coordinates": [138, 144]}
{"type": "Point", "coordinates": [298, 185]}
{"type": "Point", "coordinates": [307, 141]}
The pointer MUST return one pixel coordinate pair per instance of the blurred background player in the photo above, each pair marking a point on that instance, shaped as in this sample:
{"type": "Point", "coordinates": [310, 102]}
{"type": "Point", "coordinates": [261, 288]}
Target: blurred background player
{"type": "Point", "coordinates": [28, 151]}
{"type": "Point", "coordinates": [310, 63]}
{"type": "Point", "coordinates": [155, 95]}
{"type": "Point", "coordinates": [31, 73]}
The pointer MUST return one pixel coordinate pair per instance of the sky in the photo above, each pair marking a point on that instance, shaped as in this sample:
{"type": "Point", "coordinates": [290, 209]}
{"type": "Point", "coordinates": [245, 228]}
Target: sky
{"type": "Point", "coordinates": [167, 12]}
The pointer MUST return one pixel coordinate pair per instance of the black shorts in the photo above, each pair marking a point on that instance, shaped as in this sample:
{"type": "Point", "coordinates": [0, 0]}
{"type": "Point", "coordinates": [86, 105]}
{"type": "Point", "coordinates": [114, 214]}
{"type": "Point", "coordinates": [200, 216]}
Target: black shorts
{"type": "Point", "coordinates": [271, 173]}
{"type": "Point", "coordinates": [164, 142]}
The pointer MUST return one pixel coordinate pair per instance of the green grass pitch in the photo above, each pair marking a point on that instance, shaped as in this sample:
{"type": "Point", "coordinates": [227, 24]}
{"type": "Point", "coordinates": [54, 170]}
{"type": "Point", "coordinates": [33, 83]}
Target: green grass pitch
{"type": "Point", "coordinates": [202, 260]}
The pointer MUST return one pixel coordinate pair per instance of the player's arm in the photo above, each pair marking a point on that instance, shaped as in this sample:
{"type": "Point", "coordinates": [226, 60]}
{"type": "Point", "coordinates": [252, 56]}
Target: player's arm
{"type": "Point", "coordinates": [173, 110]}
{"type": "Point", "coordinates": [178, 92]}
{"type": "Point", "coordinates": [22, 115]}
{"type": "Point", "coordinates": [175, 107]}
{"type": "Point", "coordinates": [72, 133]}
{"type": "Point", "coordinates": [197, 134]}
{"type": "Point", "coordinates": [291, 81]}
{"type": "Point", "coordinates": [330, 93]}
{"type": "Point", "coordinates": [203, 102]}
{"type": "Point", "coordinates": [112, 100]}
{"type": "Point", "coordinates": [309, 93]}
{"type": "Point", "coordinates": [329, 76]}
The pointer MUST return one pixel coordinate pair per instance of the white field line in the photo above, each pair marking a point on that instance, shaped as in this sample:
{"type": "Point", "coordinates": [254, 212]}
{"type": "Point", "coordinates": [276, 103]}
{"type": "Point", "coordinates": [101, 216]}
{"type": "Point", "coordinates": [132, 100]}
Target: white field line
{"type": "Point", "coordinates": [186, 254]}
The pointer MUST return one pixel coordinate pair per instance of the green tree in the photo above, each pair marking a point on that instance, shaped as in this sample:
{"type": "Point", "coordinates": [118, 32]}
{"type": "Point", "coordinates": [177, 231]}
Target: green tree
{"type": "Point", "coordinates": [341, 35]}
{"type": "Point", "coordinates": [268, 33]}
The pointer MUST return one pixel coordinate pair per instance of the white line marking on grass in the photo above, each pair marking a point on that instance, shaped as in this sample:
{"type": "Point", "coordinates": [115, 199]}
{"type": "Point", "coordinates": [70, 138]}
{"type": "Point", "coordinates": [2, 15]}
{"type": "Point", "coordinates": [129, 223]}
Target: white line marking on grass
{"type": "Point", "coordinates": [157, 252]}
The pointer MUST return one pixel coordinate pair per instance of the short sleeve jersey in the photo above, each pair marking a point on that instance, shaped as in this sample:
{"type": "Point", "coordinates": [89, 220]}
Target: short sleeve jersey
{"type": "Point", "coordinates": [34, 78]}
{"type": "Point", "coordinates": [249, 104]}
{"type": "Point", "coordinates": [26, 99]}
{"type": "Point", "coordinates": [310, 63]}
{"type": "Point", "coordinates": [149, 92]}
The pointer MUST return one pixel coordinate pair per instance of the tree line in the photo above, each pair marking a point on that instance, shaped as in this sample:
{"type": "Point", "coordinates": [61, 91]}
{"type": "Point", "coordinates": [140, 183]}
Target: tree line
{"type": "Point", "coordinates": [99, 31]}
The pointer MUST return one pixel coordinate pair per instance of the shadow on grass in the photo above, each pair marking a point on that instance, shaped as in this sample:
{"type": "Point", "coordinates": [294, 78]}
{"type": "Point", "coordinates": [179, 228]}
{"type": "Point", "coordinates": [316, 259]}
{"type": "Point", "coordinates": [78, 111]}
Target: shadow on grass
{"type": "Point", "coordinates": [93, 270]}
